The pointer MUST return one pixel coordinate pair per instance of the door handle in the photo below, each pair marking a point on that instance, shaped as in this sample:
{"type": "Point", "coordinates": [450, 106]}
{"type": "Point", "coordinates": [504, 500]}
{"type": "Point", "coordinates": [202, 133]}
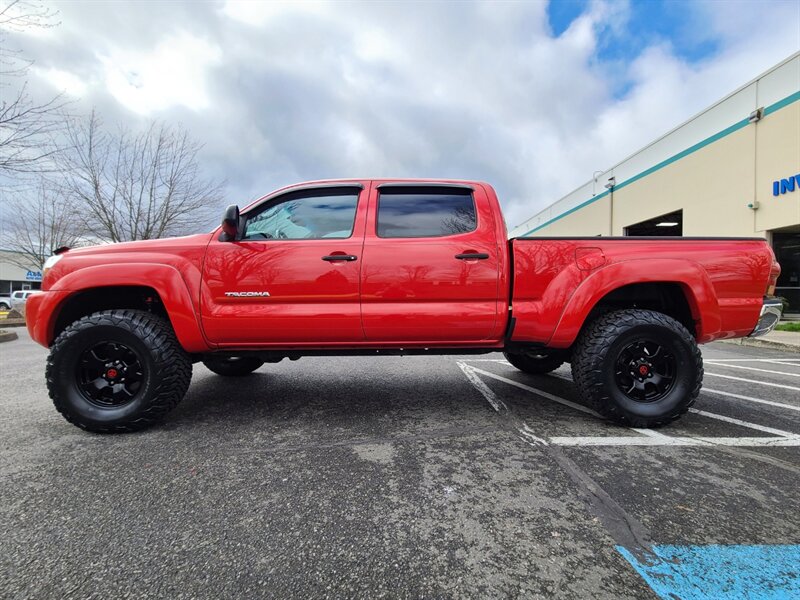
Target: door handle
{"type": "Point", "coordinates": [472, 256]}
{"type": "Point", "coordinates": [335, 257]}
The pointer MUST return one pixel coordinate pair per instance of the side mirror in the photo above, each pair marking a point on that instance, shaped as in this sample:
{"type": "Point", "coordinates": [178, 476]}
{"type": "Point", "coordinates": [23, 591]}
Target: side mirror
{"type": "Point", "coordinates": [230, 224]}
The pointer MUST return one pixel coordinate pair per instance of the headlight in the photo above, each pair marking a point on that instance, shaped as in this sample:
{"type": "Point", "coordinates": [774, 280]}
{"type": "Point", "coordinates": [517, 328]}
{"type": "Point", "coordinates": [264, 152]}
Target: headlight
{"type": "Point", "coordinates": [50, 263]}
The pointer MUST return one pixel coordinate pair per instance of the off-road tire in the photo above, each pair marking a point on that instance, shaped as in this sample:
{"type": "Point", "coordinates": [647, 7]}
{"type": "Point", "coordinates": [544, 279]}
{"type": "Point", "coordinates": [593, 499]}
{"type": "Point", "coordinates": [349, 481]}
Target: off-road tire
{"type": "Point", "coordinates": [594, 366]}
{"type": "Point", "coordinates": [233, 366]}
{"type": "Point", "coordinates": [166, 370]}
{"type": "Point", "coordinates": [536, 362]}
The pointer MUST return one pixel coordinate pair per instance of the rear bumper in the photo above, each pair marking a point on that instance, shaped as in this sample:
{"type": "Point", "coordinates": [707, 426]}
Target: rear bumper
{"type": "Point", "coordinates": [770, 315]}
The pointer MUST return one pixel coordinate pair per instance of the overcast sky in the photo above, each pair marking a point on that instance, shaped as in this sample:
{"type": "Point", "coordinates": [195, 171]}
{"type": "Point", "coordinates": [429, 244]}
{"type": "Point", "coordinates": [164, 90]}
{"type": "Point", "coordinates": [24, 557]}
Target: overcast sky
{"type": "Point", "coordinates": [530, 96]}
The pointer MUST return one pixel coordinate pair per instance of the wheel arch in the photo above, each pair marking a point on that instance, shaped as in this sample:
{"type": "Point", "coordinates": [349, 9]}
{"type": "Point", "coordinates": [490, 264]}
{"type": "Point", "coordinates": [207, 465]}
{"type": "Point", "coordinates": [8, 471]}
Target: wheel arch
{"type": "Point", "coordinates": [678, 288]}
{"type": "Point", "coordinates": [156, 288]}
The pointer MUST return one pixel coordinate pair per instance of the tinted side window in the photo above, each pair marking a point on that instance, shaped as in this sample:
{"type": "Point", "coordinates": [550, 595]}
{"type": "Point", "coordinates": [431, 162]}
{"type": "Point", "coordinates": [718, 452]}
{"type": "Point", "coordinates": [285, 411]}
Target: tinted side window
{"type": "Point", "coordinates": [308, 215]}
{"type": "Point", "coordinates": [425, 212]}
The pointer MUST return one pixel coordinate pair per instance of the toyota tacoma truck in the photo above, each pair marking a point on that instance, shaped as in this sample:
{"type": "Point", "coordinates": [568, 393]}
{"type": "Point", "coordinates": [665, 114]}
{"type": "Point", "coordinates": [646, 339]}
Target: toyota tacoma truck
{"type": "Point", "coordinates": [366, 267]}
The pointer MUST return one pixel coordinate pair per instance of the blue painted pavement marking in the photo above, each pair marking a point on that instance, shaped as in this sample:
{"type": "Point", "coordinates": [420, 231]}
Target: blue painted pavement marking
{"type": "Point", "coordinates": [721, 572]}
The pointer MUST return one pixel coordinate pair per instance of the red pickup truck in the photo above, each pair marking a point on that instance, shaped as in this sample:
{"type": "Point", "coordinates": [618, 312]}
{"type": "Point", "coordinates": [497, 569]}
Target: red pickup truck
{"type": "Point", "coordinates": [365, 267]}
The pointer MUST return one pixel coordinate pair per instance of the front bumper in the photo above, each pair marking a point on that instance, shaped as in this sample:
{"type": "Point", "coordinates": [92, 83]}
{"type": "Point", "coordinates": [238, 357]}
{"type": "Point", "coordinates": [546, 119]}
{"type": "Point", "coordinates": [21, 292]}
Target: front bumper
{"type": "Point", "coordinates": [771, 312]}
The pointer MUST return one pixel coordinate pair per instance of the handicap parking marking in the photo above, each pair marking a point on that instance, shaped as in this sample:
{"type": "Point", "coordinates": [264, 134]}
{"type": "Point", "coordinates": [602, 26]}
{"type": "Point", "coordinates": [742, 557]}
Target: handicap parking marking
{"type": "Point", "coordinates": [643, 437]}
{"type": "Point", "coordinates": [719, 572]}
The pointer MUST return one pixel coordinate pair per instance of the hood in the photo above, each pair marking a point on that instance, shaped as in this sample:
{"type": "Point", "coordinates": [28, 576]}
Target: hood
{"type": "Point", "coordinates": [159, 245]}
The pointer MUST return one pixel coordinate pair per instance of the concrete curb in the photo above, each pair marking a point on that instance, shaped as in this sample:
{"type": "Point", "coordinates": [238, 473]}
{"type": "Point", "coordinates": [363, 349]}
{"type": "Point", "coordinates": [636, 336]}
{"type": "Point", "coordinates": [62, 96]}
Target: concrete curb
{"type": "Point", "coordinates": [7, 336]}
{"type": "Point", "coordinates": [12, 322]}
{"type": "Point", "coordinates": [759, 343]}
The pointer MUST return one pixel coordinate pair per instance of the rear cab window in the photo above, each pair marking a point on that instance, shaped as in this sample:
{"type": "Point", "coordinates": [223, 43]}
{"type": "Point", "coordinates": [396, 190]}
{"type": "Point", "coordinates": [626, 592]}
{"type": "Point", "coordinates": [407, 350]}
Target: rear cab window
{"type": "Point", "coordinates": [425, 211]}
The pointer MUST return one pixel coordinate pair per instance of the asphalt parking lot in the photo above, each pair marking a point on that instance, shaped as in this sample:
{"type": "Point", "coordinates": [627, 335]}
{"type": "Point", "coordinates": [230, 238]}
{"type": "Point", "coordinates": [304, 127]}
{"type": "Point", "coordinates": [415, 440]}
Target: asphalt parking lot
{"type": "Point", "coordinates": [405, 477]}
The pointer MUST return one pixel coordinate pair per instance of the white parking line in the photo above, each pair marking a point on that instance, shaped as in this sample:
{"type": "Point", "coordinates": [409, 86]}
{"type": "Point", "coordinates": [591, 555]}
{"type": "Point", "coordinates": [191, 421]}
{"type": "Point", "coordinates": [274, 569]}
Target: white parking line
{"type": "Point", "coordinates": [717, 364]}
{"type": "Point", "coordinates": [766, 360]}
{"type": "Point", "coordinates": [539, 392]}
{"type": "Point", "coordinates": [497, 360]}
{"type": "Point", "coordinates": [525, 432]}
{"type": "Point", "coordinates": [719, 392]}
{"type": "Point", "coordinates": [767, 383]}
{"type": "Point", "coordinates": [645, 437]}
{"type": "Point", "coordinates": [741, 423]}
{"type": "Point", "coordinates": [750, 442]}
{"type": "Point", "coordinates": [750, 399]}
{"type": "Point", "coordinates": [484, 389]}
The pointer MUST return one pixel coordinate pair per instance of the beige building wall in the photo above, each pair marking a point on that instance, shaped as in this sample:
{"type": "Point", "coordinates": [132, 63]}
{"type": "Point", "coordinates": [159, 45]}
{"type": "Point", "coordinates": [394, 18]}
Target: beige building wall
{"type": "Point", "coordinates": [712, 186]}
{"type": "Point", "coordinates": [778, 157]}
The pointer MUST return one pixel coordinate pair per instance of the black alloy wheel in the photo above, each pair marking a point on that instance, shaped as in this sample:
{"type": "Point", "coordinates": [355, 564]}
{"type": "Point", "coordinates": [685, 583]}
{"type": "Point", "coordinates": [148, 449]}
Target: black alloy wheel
{"type": "Point", "coordinates": [109, 374]}
{"type": "Point", "coordinates": [645, 371]}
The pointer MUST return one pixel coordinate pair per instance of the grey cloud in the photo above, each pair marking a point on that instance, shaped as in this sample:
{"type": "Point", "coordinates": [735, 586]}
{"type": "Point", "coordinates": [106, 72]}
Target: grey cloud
{"type": "Point", "coordinates": [465, 90]}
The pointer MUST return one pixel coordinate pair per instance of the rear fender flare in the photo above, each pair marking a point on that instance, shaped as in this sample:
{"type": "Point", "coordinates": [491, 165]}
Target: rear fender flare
{"type": "Point", "coordinates": [692, 278]}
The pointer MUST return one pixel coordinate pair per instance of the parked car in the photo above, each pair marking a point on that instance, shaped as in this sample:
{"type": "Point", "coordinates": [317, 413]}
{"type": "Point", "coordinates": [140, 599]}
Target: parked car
{"type": "Point", "coordinates": [365, 267]}
{"type": "Point", "coordinates": [5, 302]}
{"type": "Point", "coordinates": [19, 300]}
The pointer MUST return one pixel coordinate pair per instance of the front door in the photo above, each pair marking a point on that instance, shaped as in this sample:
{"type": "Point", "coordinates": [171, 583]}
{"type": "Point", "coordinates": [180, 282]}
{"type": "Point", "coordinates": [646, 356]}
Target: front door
{"type": "Point", "coordinates": [293, 277]}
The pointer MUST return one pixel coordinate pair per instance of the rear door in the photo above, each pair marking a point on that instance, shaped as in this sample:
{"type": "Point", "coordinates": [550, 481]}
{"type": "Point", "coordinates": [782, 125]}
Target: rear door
{"type": "Point", "coordinates": [294, 275]}
{"type": "Point", "coordinates": [430, 264]}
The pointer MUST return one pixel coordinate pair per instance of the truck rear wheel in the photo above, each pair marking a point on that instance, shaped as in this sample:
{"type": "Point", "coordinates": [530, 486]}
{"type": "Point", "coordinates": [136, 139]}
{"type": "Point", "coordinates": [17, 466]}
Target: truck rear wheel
{"type": "Point", "coordinates": [638, 367]}
{"type": "Point", "coordinates": [536, 362]}
{"type": "Point", "coordinates": [233, 366]}
{"type": "Point", "coordinates": [117, 371]}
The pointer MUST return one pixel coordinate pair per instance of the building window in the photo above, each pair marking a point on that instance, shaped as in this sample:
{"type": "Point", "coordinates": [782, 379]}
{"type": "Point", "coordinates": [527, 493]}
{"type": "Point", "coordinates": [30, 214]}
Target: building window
{"type": "Point", "coordinates": [670, 225]}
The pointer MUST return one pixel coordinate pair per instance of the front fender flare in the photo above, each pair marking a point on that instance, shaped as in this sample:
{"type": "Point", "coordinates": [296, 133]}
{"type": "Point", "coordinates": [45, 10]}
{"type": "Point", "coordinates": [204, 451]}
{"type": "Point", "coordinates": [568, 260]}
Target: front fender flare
{"type": "Point", "coordinates": [165, 279]}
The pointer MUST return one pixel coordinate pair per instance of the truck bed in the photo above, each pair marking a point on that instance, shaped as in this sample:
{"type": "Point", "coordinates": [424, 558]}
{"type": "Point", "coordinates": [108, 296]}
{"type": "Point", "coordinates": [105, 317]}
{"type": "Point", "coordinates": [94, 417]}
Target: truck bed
{"type": "Point", "coordinates": [557, 281]}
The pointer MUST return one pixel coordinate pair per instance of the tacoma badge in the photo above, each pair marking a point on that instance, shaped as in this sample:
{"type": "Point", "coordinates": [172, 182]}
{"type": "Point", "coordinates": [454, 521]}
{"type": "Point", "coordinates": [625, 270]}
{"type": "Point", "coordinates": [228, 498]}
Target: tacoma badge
{"type": "Point", "coordinates": [247, 294]}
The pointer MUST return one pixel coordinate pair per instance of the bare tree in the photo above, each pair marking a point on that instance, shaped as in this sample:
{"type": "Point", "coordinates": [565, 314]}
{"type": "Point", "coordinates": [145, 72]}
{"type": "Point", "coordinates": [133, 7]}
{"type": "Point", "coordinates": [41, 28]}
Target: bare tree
{"type": "Point", "coordinates": [27, 128]}
{"type": "Point", "coordinates": [137, 186]}
{"type": "Point", "coordinates": [39, 221]}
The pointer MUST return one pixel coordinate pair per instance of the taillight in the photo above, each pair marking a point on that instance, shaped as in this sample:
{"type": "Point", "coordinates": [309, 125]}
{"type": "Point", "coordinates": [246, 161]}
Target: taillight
{"type": "Point", "coordinates": [773, 278]}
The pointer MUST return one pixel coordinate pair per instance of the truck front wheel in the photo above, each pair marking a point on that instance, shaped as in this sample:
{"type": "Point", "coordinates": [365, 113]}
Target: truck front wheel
{"type": "Point", "coordinates": [638, 367]}
{"type": "Point", "coordinates": [536, 362]}
{"type": "Point", "coordinates": [117, 371]}
{"type": "Point", "coordinates": [233, 366]}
